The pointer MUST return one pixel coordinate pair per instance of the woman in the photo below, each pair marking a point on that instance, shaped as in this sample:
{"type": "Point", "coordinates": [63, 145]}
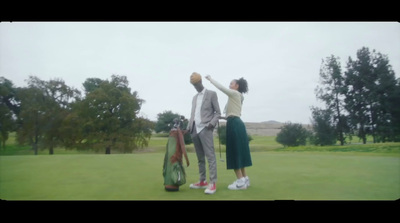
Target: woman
{"type": "Point", "coordinates": [237, 143]}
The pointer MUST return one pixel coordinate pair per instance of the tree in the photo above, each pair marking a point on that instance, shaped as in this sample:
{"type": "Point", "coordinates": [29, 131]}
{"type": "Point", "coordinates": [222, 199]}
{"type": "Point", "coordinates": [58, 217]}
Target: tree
{"type": "Point", "coordinates": [6, 124]}
{"type": "Point", "coordinates": [394, 111]}
{"type": "Point", "coordinates": [323, 126]}
{"type": "Point", "coordinates": [7, 110]}
{"type": "Point", "coordinates": [164, 121]}
{"type": "Point", "coordinates": [60, 96]}
{"type": "Point", "coordinates": [108, 118]}
{"type": "Point", "coordinates": [91, 84]}
{"type": "Point", "coordinates": [8, 95]}
{"type": "Point", "coordinates": [32, 116]}
{"type": "Point", "coordinates": [44, 105]}
{"type": "Point", "coordinates": [370, 85]}
{"type": "Point", "coordinates": [383, 94]}
{"type": "Point", "coordinates": [331, 91]}
{"type": "Point", "coordinates": [72, 128]}
{"type": "Point", "coordinates": [292, 134]}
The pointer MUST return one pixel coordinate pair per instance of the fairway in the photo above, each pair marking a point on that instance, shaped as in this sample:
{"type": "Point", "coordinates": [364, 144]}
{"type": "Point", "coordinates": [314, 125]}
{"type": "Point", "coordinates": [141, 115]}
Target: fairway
{"type": "Point", "coordinates": [273, 176]}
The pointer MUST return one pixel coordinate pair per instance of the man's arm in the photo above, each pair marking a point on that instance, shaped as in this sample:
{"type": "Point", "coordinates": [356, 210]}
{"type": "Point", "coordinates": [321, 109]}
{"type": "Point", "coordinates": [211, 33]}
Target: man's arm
{"type": "Point", "coordinates": [217, 111]}
{"type": "Point", "coordinates": [189, 127]}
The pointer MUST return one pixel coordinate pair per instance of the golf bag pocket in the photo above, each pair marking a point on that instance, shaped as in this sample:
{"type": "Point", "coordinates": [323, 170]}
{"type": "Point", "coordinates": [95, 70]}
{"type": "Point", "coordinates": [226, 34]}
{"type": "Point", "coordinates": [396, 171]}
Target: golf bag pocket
{"type": "Point", "coordinates": [178, 175]}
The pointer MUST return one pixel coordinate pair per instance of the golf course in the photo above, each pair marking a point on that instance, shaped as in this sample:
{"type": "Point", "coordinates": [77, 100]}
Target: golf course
{"type": "Point", "coordinates": [350, 172]}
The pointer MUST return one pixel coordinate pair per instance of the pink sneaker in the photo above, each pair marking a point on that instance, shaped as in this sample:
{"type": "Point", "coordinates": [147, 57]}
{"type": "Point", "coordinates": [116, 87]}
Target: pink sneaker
{"type": "Point", "coordinates": [211, 189]}
{"type": "Point", "coordinates": [198, 185]}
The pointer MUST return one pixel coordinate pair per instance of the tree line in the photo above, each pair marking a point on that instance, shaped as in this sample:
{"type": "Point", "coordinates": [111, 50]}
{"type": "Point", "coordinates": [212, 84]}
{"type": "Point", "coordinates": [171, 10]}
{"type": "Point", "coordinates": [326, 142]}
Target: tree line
{"type": "Point", "coordinates": [48, 114]}
{"type": "Point", "coordinates": [363, 100]}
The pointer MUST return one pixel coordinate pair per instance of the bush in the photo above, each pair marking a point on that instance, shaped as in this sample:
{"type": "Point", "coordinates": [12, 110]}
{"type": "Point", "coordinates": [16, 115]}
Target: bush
{"type": "Point", "coordinates": [292, 134]}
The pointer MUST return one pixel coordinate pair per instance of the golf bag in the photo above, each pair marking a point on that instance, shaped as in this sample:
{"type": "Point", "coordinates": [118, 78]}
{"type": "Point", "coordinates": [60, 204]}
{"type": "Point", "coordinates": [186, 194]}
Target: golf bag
{"type": "Point", "coordinates": [173, 170]}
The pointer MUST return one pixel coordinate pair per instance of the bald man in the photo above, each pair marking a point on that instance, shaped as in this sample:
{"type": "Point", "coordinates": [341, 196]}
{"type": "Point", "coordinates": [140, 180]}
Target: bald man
{"type": "Point", "coordinates": [203, 119]}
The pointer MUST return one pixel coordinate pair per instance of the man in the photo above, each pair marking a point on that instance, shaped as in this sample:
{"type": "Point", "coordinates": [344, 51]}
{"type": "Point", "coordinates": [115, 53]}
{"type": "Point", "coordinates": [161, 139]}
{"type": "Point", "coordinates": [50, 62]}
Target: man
{"type": "Point", "coordinates": [203, 119]}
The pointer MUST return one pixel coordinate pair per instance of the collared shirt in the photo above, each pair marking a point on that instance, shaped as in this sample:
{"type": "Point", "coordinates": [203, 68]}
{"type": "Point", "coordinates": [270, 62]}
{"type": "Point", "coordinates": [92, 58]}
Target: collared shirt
{"type": "Point", "coordinates": [197, 114]}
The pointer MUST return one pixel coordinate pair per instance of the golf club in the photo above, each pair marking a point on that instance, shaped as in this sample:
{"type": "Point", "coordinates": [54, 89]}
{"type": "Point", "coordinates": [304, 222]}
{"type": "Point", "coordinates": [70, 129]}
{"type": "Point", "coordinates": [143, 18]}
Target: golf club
{"type": "Point", "coordinates": [219, 141]}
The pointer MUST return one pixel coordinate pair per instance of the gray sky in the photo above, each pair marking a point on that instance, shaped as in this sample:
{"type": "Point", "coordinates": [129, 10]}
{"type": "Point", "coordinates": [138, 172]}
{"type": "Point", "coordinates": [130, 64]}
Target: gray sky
{"type": "Point", "coordinates": [280, 60]}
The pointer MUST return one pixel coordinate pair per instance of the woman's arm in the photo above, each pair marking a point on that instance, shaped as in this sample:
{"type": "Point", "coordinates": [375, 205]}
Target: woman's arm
{"type": "Point", "coordinates": [225, 90]}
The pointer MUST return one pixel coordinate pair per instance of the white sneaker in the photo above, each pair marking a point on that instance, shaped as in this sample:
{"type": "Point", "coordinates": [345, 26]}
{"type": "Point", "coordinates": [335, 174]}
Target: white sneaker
{"type": "Point", "coordinates": [247, 180]}
{"type": "Point", "coordinates": [238, 184]}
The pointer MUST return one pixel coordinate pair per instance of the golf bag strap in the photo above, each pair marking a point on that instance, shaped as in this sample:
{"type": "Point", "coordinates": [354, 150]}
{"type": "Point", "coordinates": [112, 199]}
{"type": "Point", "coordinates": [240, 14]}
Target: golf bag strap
{"type": "Point", "coordinates": [182, 146]}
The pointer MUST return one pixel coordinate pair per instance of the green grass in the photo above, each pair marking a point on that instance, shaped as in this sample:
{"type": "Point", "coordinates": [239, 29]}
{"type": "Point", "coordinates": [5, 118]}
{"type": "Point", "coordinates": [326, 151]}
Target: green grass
{"type": "Point", "coordinates": [274, 176]}
{"type": "Point", "coordinates": [350, 172]}
{"type": "Point", "coordinates": [264, 143]}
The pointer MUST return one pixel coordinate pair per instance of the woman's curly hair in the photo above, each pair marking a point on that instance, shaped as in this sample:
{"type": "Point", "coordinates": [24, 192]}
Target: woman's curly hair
{"type": "Point", "coordinates": [243, 86]}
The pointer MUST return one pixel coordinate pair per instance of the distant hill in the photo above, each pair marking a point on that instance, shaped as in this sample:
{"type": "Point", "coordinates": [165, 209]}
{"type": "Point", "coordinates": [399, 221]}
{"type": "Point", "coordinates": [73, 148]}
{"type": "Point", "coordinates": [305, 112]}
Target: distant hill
{"type": "Point", "coordinates": [266, 128]}
{"type": "Point", "coordinates": [269, 128]}
{"type": "Point", "coordinates": [272, 122]}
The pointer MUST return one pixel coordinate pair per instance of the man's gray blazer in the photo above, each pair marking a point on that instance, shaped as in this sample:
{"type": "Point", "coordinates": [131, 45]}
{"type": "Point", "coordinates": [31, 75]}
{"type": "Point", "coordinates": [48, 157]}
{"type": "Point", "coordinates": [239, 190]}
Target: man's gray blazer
{"type": "Point", "coordinates": [210, 111]}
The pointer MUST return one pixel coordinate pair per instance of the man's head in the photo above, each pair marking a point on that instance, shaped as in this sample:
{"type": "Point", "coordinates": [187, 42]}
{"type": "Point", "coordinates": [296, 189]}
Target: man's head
{"type": "Point", "coordinates": [195, 79]}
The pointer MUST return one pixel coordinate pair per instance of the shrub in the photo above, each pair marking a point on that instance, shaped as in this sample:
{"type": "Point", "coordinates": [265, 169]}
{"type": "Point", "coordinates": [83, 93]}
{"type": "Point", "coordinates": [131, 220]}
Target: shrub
{"type": "Point", "coordinates": [292, 134]}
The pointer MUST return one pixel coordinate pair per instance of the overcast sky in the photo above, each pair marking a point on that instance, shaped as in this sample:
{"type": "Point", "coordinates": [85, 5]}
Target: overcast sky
{"type": "Point", "coordinates": [280, 60]}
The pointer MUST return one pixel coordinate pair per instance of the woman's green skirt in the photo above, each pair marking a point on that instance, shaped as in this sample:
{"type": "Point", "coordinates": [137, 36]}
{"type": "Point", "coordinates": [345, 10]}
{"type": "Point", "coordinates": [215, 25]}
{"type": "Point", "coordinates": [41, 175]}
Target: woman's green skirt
{"type": "Point", "coordinates": [237, 144]}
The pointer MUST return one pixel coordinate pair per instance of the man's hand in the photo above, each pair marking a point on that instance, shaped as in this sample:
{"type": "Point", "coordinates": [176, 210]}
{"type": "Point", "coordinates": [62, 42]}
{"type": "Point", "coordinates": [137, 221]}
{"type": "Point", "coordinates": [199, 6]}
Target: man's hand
{"type": "Point", "coordinates": [208, 77]}
{"type": "Point", "coordinates": [210, 126]}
